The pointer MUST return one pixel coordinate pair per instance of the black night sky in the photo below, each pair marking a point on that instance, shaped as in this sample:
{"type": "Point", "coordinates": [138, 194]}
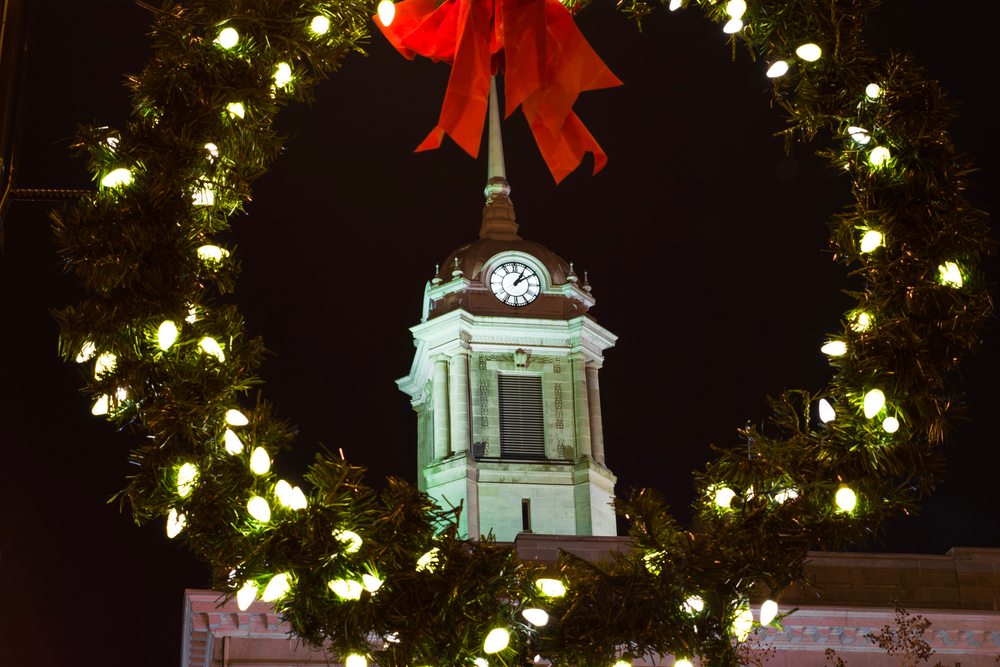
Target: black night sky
{"type": "Point", "coordinates": [704, 242]}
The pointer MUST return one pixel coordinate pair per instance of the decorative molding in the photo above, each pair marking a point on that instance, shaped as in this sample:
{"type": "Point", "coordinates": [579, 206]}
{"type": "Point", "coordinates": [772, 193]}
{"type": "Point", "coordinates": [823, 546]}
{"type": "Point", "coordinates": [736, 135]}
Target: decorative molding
{"type": "Point", "coordinates": [493, 357]}
{"type": "Point", "coordinates": [561, 449]}
{"type": "Point", "coordinates": [559, 406]}
{"type": "Point", "coordinates": [484, 404]}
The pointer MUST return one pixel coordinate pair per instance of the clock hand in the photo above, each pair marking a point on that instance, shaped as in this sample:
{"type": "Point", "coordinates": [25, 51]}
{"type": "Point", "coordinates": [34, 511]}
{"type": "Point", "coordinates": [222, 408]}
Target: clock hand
{"type": "Point", "coordinates": [519, 279]}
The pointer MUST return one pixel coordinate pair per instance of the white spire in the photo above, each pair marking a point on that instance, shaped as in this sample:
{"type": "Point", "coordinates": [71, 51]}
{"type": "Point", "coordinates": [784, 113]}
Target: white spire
{"type": "Point", "coordinates": [495, 167]}
{"type": "Point", "coordinates": [498, 214]}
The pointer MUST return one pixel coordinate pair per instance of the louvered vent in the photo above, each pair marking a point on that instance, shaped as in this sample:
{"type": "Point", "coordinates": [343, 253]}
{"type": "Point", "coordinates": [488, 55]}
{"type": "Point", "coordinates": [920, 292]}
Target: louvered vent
{"type": "Point", "coordinates": [522, 425]}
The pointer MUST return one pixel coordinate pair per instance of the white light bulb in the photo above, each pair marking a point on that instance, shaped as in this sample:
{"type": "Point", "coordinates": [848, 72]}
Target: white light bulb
{"type": "Point", "coordinates": [102, 406]}
{"type": "Point", "coordinates": [862, 322]}
{"type": "Point", "coordinates": [874, 402]}
{"type": "Point", "coordinates": [859, 134]}
{"type": "Point", "coordinates": [192, 315]}
{"type": "Point", "coordinates": [872, 91]}
{"type": "Point", "coordinates": [283, 490]}
{"type": "Point", "coordinates": [768, 611]}
{"type": "Point", "coordinates": [785, 496]}
{"type": "Point", "coordinates": [213, 151]}
{"type": "Point", "coordinates": [282, 75]}
{"type": "Point", "coordinates": [870, 240]}
{"type": "Point", "coordinates": [890, 424]}
{"type": "Point", "coordinates": [353, 540]}
{"type": "Point", "coordinates": [809, 52]}
{"type": "Point", "coordinates": [186, 477]}
{"type": "Point", "coordinates": [386, 12]}
{"type": "Point", "coordinates": [622, 663]}
{"type": "Point", "coordinates": [553, 588]}
{"type": "Point", "coordinates": [203, 196]}
{"type": "Point", "coordinates": [260, 462]}
{"type": "Point", "coordinates": [879, 156]}
{"type": "Point", "coordinates": [480, 662]}
{"type": "Point", "coordinates": [276, 588]}
{"type": "Point", "coordinates": [694, 604]}
{"type": "Point", "coordinates": [834, 348]}
{"type": "Point", "coordinates": [236, 109]}
{"type": "Point", "coordinates": [736, 8]}
{"type": "Point", "coordinates": [743, 623]}
{"type": "Point", "coordinates": [175, 523]}
{"type": "Point", "coordinates": [428, 561]}
{"type": "Point", "coordinates": [105, 364]}
{"type": "Point", "coordinates": [371, 583]}
{"type": "Point", "coordinates": [86, 352]}
{"type": "Point", "coordinates": [166, 334]}
{"type": "Point", "coordinates": [732, 25]}
{"type": "Point", "coordinates": [228, 38]}
{"type": "Point", "coordinates": [121, 394]}
{"type": "Point", "coordinates": [355, 660]}
{"type": "Point", "coordinates": [951, 275]}
{"type": "Point", "coordinates": [723, 497]}
{"type": "Point", "coordinates": [212, 253]}
{"type": "Point", "coordinates": [684, 662]}
{"type": "Point", "coordinates": [346, 590]}
{"type": "Point", "coordinates": [675, 5]}
{"type": "Point", "coordinates": [826, 412]}
{"type": "Point", "coordinates": [320, 25]}
{"type": "Point", "coordinates": [535, 616]}
{"type": "Point", "coordinates": [496, 641]}
{"type": "Point", "coordinates": [298, 499]}
{"type": "Point", "coordinates": [212, 347]}
{"type": "Point", "coordinates": [236, 418]}
{"type": "Point", "coordinates": [116, 178]}
{"type": "Point", "coordinates": [246, 595]}
{"type": "Point", "coordinates": [777, 69]}
{"type": "Point", "coordinates": [259, 509]}
{"type": "Point", "coordinates": [233, 443]}
{"type": "Point", "coordinates": [846, 500]}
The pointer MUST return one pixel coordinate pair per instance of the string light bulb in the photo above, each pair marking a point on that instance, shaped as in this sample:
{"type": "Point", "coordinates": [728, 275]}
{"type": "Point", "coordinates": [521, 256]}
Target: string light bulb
{"type": "Point", "coordinates": [175, 523]}
{"type": "Point", "coordinates": [874, 402]}
{"type": "Point", "coordinates": [260, 462]}
{"type": "Point", "coordinates": [228, 38]}
{"type": "Point", "coordinates": [826, 412]}
{"type": "Point", "coordinates": [320, 25]}
{"type": "Point", "coordinates": [353, 540]}
{"type": "Point", "coordinates": [736, 8]}
{"type": "Point", "coordinates": [276, 588]}
{"type": "Point", "coordinates": [694, 604]}
{"type": "Point", "coordinates": [259, 509]}
{"type": "Point", "coordinates": [809, 52]}
{"type": "Point", "coordinates": [683, 662]}
{"type": "Point", "coordinates": [871, 240]}
{"type": "Point", "coordinates": [297, 501]}
{"type": "Point", "coordinates": [537, 617]}
{"type": "Point", "coordinates": [890, 425]}
{"type": "Point", "coordinates": [116, 178]}
{"type": "Point", "coordinates": [386, 12]}
{"type": "Point", "coordinates": [346, 589]}
{"type": "Point", "coordinates": [236, 110]}
{"type": "Point", "coordinates": [622, 663]}
{"type": "Point", "coordinates": [834, 348]}
{"type": "Point", "coordinates": [428, 561]}
{"type": "Point", "coordinates": [777, 69]}
{"type": "Point", "coordinates": [786, 495]}
{"type": "Point", "coordinates": [496, 641]}
{"type": "Point", "coordinates": [212, 347]}
{"type": "Point", "coordinates": [233, 443]}
{"type": "Point", "coordinates": [236, 418]}
{"type": "Point", "coordinates": [102, 406]}
{"type": "Point", "coordinates": [675, 5]}
{"type": "Point", "coordinates": [733, 25]}
{"type": "Point", "coordinates": [213, 151]}
{"type": "Point", "coordinates": [950, 274]}
{"type": "Point", "coordinates": [204, 196]}
{"type": "Point", "coordinates": [86, 352]}
{"type": "Point", "coordinates": [282, 490]}
{"type": "Point", "coordinates": [166, 334]}
{"type": "Point", "coordinates": [743, 623]}
{"type": "Point", "coordinates": [552, 588]}
{"type": "Point", "coordinates": [724, 496]}
{"type": "Point", "coordinates": [846, 500]}
{"type": "Point", "coordinates": [371, 583]}
{"type": "Point", "coordinates": [246, 595]}
{"type": "Point", "coordinates": [858, 134]}
{"type": "Point", "coordinates": [768, 611]}
{"type": "Point", "coordinates": [186, 477]}
{"type": "Point", "coordinates": [355, 660]}
{"type": "Point", "coordinates": [105, 364]}
{"type": "Point", "coordinates": [282, 75]}
{"type": "Point", "coordinates": [212, 253]}
{"type": "Point", "coordinates": [873, 91]}
{"type": "Point", "coordinates": [862, 322]}
{"type": "Point", "coordinates": [879, 156]}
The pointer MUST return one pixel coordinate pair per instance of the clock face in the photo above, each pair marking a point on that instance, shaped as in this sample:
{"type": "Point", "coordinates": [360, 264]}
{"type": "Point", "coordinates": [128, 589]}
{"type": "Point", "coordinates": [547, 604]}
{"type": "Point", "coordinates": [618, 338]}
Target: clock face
{"type": "Point", "coordinates": [515, 284]}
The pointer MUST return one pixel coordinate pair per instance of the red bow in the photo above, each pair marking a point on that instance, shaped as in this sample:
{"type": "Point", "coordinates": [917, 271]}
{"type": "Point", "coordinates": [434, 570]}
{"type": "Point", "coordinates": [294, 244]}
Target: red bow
{"type": "Point", "coordinates": [547, 64]}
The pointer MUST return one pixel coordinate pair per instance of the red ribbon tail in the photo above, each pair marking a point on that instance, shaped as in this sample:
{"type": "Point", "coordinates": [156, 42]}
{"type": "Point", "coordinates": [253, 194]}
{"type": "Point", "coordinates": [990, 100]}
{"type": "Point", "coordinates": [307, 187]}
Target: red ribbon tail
{"type": "Point", "coordinates": [563, 151]}
{"type": "Point", "coordinates": [432, 141]}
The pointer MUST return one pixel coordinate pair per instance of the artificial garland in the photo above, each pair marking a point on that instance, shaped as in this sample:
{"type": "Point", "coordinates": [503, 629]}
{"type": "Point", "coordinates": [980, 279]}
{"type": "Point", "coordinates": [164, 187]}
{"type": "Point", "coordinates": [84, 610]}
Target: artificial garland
{"type": "Point", "coordinates": [387, 578]}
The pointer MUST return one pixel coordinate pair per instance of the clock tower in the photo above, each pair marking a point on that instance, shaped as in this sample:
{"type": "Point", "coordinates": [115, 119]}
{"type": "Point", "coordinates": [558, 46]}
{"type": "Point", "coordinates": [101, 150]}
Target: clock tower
{"type": "Point", "coordinates": [505, 383]}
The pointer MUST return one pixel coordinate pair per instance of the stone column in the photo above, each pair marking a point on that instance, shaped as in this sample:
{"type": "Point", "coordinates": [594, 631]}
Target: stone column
{"type": "Point", "coordinates": [441, 419]}
{"type": "Point", "coordinates": [581, 412]}
{"type": "Point", "coordinates": [594, 402]}
{"type": "Point", "coordinates": [459, 385]}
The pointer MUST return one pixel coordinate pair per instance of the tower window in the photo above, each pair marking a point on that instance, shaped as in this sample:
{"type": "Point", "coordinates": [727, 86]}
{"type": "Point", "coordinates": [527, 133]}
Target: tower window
{"type": "Point", "coordinates": [525, 515]}
{"type": "Point", "coordinates": [522, 423]}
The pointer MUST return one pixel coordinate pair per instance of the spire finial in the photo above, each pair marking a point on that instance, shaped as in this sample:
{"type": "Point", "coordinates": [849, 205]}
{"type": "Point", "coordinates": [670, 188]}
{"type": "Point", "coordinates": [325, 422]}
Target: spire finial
{"type": "Point", "coordinates": [498, 214]}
